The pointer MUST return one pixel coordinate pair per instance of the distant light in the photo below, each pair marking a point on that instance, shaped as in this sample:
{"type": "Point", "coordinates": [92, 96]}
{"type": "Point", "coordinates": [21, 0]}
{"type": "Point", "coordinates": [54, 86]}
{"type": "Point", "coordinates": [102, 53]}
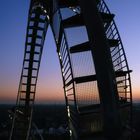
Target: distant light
{"type": "Point", "coordinates": [59, 55]}
{"type": "Point", "coordinates": [19, 111]}
{"type": "Point", "coordinates": [48, 17]}
{"type": "Point", "coordinates": [63, 70]}
{"type": "Point", "coordinates": [74, 10]}
{"type": "Point", "coordinates": [45, 11]}
{"type": "Point", "coordinates": [70, 132]}
{"type": "Point", "coordinates": [68, 109]}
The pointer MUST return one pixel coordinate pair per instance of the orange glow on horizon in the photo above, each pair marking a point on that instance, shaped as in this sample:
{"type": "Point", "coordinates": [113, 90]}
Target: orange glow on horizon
{"type": "Point", "coordinates": [47, 96]}
{"type": "Point", "coordinates": [48, 91]}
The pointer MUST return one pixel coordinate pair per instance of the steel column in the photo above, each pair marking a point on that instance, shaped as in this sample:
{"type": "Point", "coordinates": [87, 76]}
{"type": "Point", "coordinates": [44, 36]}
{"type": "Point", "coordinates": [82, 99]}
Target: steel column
{"type": "Point", "coordinates": [104, 69]}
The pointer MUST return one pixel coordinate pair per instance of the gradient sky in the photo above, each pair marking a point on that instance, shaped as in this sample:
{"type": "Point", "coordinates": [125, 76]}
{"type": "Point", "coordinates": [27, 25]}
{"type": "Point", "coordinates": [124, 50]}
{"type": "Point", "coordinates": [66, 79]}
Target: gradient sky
{"type": "Point", "coordinates": [13, 21]}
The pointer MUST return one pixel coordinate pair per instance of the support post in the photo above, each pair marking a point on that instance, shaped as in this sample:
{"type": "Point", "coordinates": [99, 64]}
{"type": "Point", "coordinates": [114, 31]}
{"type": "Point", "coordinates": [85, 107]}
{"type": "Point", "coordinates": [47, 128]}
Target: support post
{"type": "Point", "coordinates": [104, 69]}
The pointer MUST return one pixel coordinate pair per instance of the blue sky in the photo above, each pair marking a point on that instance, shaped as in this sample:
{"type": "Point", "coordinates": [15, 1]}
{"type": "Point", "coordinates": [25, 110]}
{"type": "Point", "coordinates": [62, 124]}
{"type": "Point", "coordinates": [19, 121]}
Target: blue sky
{"type": "Point", "coordinates": [13, 21]}
{"type": "Point", "coordinates": [128, 22]}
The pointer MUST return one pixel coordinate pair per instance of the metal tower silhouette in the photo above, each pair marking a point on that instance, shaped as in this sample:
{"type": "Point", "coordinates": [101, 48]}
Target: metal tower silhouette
{"type": "Point", "coordinates": [95, 72]}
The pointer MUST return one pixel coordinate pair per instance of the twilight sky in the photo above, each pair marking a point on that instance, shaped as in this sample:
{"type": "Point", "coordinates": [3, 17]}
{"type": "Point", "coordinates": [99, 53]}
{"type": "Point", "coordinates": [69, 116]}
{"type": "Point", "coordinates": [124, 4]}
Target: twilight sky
{"type": "Point", "coordinates": [13, 21]}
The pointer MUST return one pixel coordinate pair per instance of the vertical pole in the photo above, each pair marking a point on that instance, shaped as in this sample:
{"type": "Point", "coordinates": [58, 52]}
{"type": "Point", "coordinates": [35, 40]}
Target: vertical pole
{"type": "Point", "coordinates": [104, 69]}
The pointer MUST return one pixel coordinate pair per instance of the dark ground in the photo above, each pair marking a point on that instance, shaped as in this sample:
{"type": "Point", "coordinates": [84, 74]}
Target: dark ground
{"type": "Point", "coordinates": [54, 117]}
{"type": "Point", "coordinates": [136, 121]}
{"type": "Point", "coordinates": [50, 120]}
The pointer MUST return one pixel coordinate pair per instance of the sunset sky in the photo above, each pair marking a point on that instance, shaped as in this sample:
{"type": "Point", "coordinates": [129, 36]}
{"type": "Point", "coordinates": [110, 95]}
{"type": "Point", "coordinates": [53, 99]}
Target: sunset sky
{"type": "Point", "coordinates": [13, 21]}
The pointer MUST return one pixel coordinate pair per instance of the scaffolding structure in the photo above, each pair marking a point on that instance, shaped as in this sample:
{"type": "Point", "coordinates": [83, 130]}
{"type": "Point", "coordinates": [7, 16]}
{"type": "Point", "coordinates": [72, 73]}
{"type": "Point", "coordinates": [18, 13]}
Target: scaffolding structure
{"type": "Point", "coordinates": [95, 72]}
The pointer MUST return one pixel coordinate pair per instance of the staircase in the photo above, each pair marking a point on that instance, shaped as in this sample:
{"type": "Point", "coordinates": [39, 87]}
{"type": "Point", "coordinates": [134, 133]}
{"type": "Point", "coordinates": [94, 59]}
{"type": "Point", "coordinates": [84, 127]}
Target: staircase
{"type": "Point", "coordinates": [36, 31]}
{"type": "Point", "coordinates": [78, 71]}
{"type": "Point", "coordinates": [76, 57]}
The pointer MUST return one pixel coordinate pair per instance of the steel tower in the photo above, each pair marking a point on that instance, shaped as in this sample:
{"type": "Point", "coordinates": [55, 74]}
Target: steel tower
{"type": "Point", "coordinates": [95, 72]}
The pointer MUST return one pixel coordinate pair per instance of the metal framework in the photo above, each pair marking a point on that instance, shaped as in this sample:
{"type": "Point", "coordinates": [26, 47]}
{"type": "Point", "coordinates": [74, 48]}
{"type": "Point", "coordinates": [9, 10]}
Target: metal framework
{"type": "Point", "coordinates": [95, 72]}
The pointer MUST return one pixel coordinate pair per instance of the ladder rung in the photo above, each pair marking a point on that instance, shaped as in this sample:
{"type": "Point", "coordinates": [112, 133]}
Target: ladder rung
{"type": "Point", "coordinates": [24, 99]}
{"type": "Point", "coordinates": [86, 47]}
{"type": "Point", "coordinates": [32, 60]}
{"type": "Point", "coordinates": [32, 92]}
{"type": "Point", "coordinates": [83, 79]}
{"type": "Point", "coordinates": [36, 61]}
{"type": "Point", "coordinates": [69, 89]}
{"type": "Point", "coordinates": [34, 44]}
{"type": "Point", "coordinates": [70, 94]}
{"type": "Point", "coordinates": [35, 28]}
{"type": "Point", "coordinates": [30, 84]}
{"type": "Point", "coordinates": [36, 36]}
{"type": "Point", "coordinates": [34, 52]}
{"type": "Point", "coordinates": [37, 19]}
{"type": "Point", "coordinates": [26, 68]}
{"type": "Point", "coordinates": [91, 78]}
{"type": "Point", "coordinates": [123, 91]}
{"type": "Point", "coordinates": [66, 78]}
{"type": "Point", "coordinates": [28, 76]}
{"type": "Point", "coordinates": [33, 76]}
{"type": "Point", "coordinates": [26, 59]}
{"type": "Point", "coordinates": [122, 73]}
{"type": "Point", "coordinates": [24, 76]}
{"type": "Point", "coordinates": [26, 91]}
{"type": "Point", "coordinates": [70, 82]}
{"type": "Point", "coordinates": [23, 91]}
{"type": "Point", "coordinates": [80, 47]}
{"type": "Point", "coordinates": [34, 69]}
{"type": "Point", "coordinates": [120, 82]}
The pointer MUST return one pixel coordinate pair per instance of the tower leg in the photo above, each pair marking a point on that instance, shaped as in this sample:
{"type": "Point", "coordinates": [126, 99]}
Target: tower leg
{"type": "Point", "coordinates": [104, 69]}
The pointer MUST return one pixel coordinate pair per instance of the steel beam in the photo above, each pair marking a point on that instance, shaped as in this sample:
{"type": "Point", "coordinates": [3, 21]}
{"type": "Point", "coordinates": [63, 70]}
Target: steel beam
{"type": "Point", "coordinates": [104, 69]}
